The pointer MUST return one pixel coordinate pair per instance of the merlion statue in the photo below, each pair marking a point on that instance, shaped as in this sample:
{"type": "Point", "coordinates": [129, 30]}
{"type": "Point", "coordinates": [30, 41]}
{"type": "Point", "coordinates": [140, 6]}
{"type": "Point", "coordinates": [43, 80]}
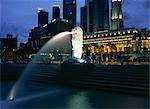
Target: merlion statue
{"type": "Point", "coordinates": [77, 42]}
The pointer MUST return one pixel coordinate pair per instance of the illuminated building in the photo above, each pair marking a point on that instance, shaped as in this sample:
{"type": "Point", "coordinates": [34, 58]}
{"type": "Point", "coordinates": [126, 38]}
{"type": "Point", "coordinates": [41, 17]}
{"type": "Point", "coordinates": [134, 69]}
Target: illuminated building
{"type": "Point", "coordinates": [59, 25]}
{"type": "Point", "coordinates": [113, 43]}
{"type": "Point", "coordinates": [56, 26]}
{"type": "Point", "coordinates": [69, 11]}
{"type": "Point", "coordinates": [35, 34]}
{"type": "Point", "coordinates": [145, 40]}
{"type": "Point", "coordinates": [56, 11]}
{"type": "Point", "coordinates": [42, 17]}
{"type": "Point", "coordinates": [116, 15]}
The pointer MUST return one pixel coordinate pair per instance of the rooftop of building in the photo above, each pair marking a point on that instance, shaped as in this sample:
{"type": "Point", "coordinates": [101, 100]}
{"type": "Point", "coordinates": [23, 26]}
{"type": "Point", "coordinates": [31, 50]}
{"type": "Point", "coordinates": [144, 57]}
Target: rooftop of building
{"type": "Point", "coordinates": [113, 33]}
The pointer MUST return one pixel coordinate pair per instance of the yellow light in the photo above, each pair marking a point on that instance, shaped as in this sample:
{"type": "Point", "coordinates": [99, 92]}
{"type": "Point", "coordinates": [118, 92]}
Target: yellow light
{"type": "Point", "coordinates": [135, 31]}
{"type": "Point", "coordinates": [120, 16]}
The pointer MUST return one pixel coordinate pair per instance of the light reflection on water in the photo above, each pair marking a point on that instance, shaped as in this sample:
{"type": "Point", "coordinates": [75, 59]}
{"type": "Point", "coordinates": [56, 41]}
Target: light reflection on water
{"type": "Point", "coordinates": [69, 98]}
{"type": "Point", "coordinates": [79, 100]}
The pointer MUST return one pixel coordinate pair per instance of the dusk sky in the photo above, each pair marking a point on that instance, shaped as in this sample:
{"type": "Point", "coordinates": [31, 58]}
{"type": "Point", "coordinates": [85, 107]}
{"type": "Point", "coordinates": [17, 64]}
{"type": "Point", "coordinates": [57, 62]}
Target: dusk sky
{"type": "Point", "coordinates": [19, 16]}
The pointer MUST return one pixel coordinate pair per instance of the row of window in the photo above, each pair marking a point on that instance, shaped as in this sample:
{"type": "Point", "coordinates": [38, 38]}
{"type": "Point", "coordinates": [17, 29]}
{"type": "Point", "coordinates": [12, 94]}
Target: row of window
{"type": "Point", "coordinates": [110, 34]}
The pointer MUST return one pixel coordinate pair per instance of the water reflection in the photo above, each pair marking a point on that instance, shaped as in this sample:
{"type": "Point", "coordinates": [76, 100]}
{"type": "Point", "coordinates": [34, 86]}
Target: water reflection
{"type": "Point", "coordinates": [79, 100]}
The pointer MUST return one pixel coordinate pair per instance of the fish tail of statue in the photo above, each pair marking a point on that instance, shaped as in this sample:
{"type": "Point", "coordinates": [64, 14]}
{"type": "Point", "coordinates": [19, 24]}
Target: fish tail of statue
{"type": "Point", "coordinates": [77, 42]}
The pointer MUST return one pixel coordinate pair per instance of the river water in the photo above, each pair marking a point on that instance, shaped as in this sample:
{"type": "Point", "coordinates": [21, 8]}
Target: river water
{"type": "Point", "coordinates": [70, 98]}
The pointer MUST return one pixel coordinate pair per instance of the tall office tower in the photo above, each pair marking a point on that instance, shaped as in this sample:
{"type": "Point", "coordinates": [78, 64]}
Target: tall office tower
{"type": "Point", "coordinates": [116, 15]}
{"type": "Point", "coordinates": [56, 11]}
{"type": "Point", "coordinates": [100, 15]}
{"type": "Point", "coordinates": [97, 15]}
{"type": "Point", "coordinates": [69, 11]}
{"type": "Point", "coordinates": [89, 4]}
{"type": "Point", "coordinates": [83, 19]}
{"type": "Point", "coordinates": [42, 17]}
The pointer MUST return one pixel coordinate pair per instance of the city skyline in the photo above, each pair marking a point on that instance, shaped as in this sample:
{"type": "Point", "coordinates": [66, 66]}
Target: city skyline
{"type": "Point", "coordinates": [24, 17]}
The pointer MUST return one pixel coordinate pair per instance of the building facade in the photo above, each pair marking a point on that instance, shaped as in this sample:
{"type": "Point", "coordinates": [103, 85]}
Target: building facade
{"type": "Point", "coordinates": [116, 15]}
{"type": "Point", "coordinates": [100, 15]}
{"type": "Point", "coordinates": [97, 15]}
{"type": "Point", "coordinates": [56, 26]}
{"type": "Point", "coordinates": [69, 11]}
{"type": "Point", "coordinates": [56, 11]}
{"type": "Point", "coordinates": [83, 18]}
{"type": "Point", "coordinates": [8, 47]}
{"type": "Point", "coordinates": [110, 44]}
{"type": "Point", "coordinates": [89, 4]}
{"type": "Point", "coordinates": [42, 17]}
{"type": "Point", "coordinates": [9, 42]}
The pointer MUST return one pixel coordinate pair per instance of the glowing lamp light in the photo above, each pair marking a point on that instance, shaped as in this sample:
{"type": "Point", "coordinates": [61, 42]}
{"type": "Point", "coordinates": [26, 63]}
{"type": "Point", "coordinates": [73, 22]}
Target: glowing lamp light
{"type": "Point", "coordinates": [12, 94]}
{"type": "Point", "coordinates": [11, 98]}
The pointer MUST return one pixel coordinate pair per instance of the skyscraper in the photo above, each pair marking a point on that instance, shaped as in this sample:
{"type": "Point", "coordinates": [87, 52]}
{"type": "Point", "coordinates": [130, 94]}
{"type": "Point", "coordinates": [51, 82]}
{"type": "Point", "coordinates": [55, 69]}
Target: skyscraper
{"type": "Point", "coordinates": [84, 18]}
{"type": "Point", "coordinates": [89, 4]}
{"type": "Point", "coordinates": [42, 17]}
{"type": "Point", "coordinates": [69, 11]}
{"type": "Point", "coordinates": [116, 15]}
{"type": "Point", "coordinates": [56, 11]}
{"type": "Point", "coordinates": [100, 15]}
{"type": "Point", "coordinates": [97, 15]}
